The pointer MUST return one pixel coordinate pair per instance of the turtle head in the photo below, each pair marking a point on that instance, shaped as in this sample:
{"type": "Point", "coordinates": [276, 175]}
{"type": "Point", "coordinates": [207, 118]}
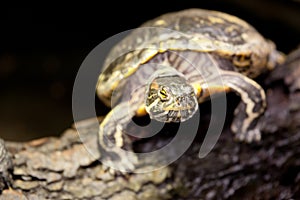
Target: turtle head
{"type": "Point", "coordinates": [170, 99]}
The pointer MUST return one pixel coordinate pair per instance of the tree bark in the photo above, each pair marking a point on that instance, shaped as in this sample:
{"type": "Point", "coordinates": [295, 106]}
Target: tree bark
{"type": "Point", "coordinates": [61, 168]}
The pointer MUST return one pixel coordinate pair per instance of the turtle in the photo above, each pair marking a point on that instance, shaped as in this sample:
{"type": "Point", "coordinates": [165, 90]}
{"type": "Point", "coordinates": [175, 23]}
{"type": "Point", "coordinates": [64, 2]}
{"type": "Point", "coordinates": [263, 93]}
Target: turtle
{"type": "Point", "coordinates": [162, 68]}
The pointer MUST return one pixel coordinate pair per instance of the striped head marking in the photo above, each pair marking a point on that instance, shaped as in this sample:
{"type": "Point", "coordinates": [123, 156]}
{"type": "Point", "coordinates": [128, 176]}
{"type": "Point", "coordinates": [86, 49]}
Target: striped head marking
{"type": "Point", "coordinates": [170, 99]}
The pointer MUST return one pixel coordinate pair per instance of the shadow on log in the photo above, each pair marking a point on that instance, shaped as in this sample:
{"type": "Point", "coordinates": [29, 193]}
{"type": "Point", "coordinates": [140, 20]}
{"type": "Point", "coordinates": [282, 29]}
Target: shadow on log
{"type": "Point", "coordinates": [62, 168]}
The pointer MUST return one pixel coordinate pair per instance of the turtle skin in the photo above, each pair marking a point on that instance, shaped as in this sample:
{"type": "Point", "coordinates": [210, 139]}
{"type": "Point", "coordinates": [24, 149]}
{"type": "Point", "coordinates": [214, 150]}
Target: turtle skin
{"type": "Point", "coordinates": [208, 51]}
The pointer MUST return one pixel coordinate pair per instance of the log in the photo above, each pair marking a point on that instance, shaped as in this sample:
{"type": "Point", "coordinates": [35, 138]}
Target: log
{"type": "Point", "coordinates": [62, 168]}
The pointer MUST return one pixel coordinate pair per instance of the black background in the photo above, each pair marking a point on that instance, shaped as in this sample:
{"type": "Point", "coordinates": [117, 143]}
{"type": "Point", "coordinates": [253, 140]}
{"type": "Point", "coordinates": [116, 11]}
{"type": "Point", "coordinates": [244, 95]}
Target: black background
{"type": "Point", "coordinates": [41, 49]}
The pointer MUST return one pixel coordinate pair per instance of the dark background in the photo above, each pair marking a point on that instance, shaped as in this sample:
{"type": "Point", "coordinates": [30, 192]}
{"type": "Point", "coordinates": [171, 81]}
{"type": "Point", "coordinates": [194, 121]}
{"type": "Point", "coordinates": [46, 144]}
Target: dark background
{"type": "Point", "coordinates": [42, 48]}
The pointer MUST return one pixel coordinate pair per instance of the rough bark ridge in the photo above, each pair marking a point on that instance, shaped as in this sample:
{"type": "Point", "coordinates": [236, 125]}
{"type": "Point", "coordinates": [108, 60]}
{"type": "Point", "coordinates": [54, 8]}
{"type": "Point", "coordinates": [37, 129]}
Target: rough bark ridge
{"type": "Point", "coordinates": [61, 168]}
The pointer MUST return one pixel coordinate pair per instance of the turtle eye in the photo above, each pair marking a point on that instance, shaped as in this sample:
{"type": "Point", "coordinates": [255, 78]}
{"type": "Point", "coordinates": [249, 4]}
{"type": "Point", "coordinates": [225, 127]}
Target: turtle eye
{"type": "Point", "coordinates": [163, 94]}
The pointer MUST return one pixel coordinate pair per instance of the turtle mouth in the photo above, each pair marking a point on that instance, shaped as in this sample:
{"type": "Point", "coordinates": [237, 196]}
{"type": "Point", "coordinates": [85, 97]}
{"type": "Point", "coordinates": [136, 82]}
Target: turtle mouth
{"type": "Point", "coordinates": [179, 111]}
{"type": "Point", "coordinates": [181, 108]}
{"type": "Point", "coordinates": [180, 114]}
{"type": "Point", "coordinates": [180, 104]}
{"type": "Point", "coordinates": [174, 113]}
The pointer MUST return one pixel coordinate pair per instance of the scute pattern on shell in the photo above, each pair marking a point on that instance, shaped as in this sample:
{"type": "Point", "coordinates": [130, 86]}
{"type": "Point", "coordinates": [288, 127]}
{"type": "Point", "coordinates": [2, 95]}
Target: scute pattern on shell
{"type": "Point", "coordinates": [210, 24]}
{"type": "Point", "coordinates": [188, 30]}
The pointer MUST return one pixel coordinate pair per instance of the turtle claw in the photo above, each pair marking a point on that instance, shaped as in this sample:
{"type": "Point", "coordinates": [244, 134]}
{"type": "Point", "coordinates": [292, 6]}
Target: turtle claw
{"type": "Point", "coordinates": [120, 161]}
{"type": "Point", "coordinates": [249, 136]}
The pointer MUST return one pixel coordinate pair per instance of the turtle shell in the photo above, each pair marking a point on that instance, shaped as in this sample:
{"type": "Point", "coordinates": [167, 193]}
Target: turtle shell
{"type": "Point", "coordinates": [187, 30]}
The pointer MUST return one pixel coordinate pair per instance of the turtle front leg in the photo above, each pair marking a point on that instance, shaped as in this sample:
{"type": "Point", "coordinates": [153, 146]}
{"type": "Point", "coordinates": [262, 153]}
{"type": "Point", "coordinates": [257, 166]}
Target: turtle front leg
{"type": "Point", "coordinates": [251, 107]}
{"type": "Point", "coordinates": [115, 146]}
